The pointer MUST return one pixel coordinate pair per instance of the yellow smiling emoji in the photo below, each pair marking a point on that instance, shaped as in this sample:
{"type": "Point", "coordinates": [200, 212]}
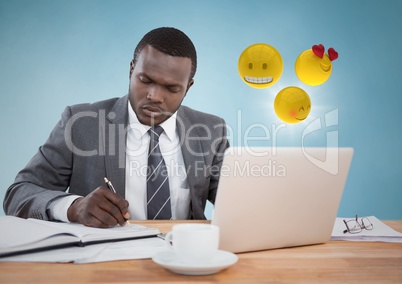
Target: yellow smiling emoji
{"type": "Point", "coordinates": [313, 66]}
{"type": "Point", "coordinates": [292, 105]}
{"type": "Point", "coordinates": [260, 65]}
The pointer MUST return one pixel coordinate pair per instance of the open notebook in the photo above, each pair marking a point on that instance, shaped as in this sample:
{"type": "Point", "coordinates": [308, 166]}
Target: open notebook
{"type": "Point", "coordinates": [30, 235]}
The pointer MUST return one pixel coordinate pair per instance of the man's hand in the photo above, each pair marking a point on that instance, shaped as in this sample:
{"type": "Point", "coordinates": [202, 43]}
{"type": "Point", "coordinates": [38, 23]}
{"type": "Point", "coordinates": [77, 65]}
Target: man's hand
{"type": "Point", "coordinates": [102, 208]}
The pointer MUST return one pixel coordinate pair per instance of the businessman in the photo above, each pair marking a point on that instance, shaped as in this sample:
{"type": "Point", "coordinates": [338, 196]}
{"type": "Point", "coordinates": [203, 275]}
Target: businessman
{"type": "Point", "coordinates": [163, 159]}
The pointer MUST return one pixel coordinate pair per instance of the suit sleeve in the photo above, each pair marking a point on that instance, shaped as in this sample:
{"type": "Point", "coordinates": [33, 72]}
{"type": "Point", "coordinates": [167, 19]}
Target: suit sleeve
{"type": "Point", "coordinates": [222, 144]}
{"type": "Point", "coordinates": [45, 178]}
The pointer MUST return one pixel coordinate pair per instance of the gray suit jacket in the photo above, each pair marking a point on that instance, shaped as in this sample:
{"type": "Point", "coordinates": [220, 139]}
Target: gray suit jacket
{"type": "Point", "coordinates": [89, 143]}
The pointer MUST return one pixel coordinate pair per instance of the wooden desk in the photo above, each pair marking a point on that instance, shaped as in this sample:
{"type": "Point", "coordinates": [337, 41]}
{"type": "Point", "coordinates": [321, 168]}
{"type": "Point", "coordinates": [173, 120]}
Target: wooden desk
{"type": "Point", "coordinates": [336, 261]}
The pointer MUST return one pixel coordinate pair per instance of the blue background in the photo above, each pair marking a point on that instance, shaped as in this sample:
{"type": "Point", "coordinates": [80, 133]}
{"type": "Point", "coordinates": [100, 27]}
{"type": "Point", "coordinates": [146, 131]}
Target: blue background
{"type": "Point", "coordinates": [57, 53]}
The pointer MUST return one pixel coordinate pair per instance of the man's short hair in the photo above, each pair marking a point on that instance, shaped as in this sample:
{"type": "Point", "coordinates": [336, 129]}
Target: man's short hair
{"type": "Point", "coordinates": [170, 41]}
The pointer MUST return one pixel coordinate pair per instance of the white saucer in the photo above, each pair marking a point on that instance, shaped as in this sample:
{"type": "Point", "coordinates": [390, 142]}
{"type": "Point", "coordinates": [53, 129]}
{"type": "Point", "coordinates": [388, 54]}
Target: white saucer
{"type": "Point", "coordinates": [221, 260]}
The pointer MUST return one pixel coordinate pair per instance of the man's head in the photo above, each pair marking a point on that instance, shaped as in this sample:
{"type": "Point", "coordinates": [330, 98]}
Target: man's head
{"type": "Point", "coordinates": [161, 73]}
{"type": "Point", "coordinates": [170, 41]}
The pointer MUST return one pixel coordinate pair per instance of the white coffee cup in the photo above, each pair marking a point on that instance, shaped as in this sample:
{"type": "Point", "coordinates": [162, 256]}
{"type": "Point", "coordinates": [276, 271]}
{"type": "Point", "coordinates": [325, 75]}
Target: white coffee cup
{"type": "Point", "coordinates": [193, 242]}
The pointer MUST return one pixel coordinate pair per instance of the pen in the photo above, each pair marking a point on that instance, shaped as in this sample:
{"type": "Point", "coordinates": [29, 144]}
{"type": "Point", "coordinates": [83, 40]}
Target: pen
{"type": "Point", "coordinates": [111, 187]}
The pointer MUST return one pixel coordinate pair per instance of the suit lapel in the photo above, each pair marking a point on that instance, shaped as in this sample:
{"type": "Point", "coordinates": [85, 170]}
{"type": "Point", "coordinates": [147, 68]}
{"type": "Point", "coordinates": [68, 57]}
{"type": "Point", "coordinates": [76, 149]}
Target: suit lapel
{"type": "Point", "coordinates": [192, 152]}
{"type": "Point", "coordinates": [115, 144]}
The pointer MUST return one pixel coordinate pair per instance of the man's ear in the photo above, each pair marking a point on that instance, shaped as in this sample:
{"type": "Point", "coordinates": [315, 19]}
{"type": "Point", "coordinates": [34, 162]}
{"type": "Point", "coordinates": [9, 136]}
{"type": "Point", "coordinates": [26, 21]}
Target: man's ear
{"type": "Point", "coordinates": [189, 85]}
{"type": "Point", "coordinates": [131, 68]}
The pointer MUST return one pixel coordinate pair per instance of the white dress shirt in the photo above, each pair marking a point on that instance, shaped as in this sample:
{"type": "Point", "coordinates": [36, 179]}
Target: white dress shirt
{"type": "Point", "coordinates": [137, 162]}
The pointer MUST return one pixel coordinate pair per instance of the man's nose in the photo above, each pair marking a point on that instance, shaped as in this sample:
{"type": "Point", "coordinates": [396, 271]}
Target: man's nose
{"type": "Point", "coordinates": [155, 94]}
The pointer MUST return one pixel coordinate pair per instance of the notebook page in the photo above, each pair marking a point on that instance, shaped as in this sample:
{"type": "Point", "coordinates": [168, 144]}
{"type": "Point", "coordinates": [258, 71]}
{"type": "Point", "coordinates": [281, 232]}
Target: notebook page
{"type": "Point", "coordinates": [97, 234]}
{"type": "Point", "coordinates": [16, 232]}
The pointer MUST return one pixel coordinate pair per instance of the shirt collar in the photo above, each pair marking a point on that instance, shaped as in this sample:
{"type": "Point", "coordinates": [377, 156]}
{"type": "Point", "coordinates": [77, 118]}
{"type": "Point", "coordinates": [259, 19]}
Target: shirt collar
{"type": "Point", "coordinates": [169, 125]}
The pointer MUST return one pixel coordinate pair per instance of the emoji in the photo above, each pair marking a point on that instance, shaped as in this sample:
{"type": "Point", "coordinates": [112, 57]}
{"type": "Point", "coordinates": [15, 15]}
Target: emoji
{"type": "Point", "coordinates": [292, 105]}
{"type": "Point", "coordinates": [313, 66]}
{"type": "Point", "coordinates": [260, 65]}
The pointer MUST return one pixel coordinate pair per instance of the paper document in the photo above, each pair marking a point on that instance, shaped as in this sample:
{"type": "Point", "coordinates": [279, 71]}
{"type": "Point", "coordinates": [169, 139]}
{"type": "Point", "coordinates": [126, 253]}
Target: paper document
{"type": "Point", "coordinates": [380, 232]}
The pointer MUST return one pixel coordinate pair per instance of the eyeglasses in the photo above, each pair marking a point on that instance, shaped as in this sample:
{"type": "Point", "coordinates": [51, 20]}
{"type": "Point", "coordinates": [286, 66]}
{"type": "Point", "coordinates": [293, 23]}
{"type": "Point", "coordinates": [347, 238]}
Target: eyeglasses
{"type": "Point", "coordinates": [355, 226]}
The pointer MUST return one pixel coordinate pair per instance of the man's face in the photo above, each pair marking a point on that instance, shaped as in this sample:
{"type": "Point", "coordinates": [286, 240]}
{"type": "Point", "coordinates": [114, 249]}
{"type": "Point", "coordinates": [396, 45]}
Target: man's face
{"type": "Point", "coordinates": [158, 84]}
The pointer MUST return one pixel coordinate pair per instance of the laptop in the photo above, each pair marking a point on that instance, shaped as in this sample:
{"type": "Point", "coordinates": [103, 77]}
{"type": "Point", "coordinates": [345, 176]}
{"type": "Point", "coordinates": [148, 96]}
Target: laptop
{"type": "Point", "coordinates": [279, 197]}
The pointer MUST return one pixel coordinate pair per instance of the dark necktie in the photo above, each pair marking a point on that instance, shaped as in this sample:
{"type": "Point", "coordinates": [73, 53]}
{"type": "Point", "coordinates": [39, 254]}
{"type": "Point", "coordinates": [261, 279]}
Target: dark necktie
{"type": "Point", "coordinates": [158, 193]}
